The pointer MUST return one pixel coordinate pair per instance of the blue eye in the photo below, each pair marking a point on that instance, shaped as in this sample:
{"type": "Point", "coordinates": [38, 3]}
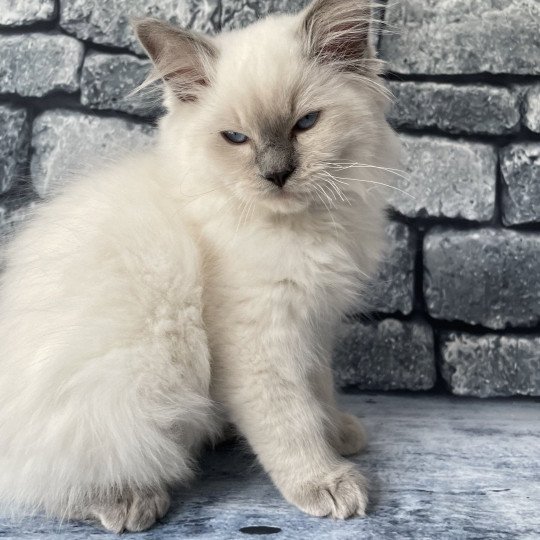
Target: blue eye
{"type": "Point", "coordinates": [308, 121]}
{"type": "Point", "coordinates": [234, 137]}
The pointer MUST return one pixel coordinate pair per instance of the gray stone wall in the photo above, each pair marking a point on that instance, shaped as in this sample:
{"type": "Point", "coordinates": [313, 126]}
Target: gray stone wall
{"type": "Point", "coordinates": [457, 302]}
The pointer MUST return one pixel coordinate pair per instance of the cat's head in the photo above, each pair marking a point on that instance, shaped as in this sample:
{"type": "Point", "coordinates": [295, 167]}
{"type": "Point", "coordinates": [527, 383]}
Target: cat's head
{"type": "Point", "coordinates": [274, 112]}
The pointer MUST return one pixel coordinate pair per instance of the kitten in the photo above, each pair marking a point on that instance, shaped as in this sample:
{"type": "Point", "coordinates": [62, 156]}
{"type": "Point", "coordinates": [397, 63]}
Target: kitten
{"type": "Point", "coordinates": [200, 283]}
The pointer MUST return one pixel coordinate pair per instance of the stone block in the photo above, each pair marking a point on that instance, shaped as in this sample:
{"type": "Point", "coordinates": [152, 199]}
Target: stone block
{"type": "Point", "coordinates": [69, 142]}
{"type": "Point", "coordinates": [531, 109]}
{"type": "Point", "coordinates": [388, 355]}
{"type": "Point", "coordinates": [14, 144]}
{"type": "Point", "coordinates": [393, 288]}
{"type": "Point", "coordinates": [107, 81]}
{"type": "Point", "coordinates": [23, 12]}
{"type": "Point", "coordinates": [491, 365]}
{"type": "Point", "coordinates": [446, 178]}
{"type": "Point", "coordinates": [109, 23]}
{"type": "Point", "coordinates": [37, 64]}
{"type": "Point", "coordinates": [475, 108]}
{"type": "Point", "coordinates": [445, 37]}
{"type": "Point", "coordinates": [520, 166]}
{"type": "Point", "coordinates": [485, 276]}
{"type": "Point", "coordinates": [240, 13]}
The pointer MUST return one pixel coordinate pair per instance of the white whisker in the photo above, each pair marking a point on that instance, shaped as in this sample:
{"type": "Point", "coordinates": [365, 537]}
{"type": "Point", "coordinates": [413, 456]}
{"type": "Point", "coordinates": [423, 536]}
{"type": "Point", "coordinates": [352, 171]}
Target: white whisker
{"type": "Point", "coordinates": [375, 182]}
{"type": "Point", "coordinates": [327, 209]}
{"type": "Point", "coordinates": [398, 172]}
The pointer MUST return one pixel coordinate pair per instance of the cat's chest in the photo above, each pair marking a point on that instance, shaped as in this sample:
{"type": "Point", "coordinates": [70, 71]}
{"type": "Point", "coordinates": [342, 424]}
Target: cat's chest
{"type": "Point", "coordinates": [287, 261]}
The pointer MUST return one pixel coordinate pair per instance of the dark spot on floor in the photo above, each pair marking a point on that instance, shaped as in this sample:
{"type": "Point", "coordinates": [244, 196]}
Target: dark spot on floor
{"type": "Point", "coordinates": [260, 530]}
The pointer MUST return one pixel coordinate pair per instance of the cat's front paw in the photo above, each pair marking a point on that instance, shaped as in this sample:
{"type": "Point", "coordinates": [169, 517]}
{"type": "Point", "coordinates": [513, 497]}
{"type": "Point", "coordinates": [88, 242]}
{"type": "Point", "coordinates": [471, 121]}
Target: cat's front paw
{"type": "Point", "coordinates": [131, 511]}
{"type": "Point", "coordinates": [340, 494]}
{"type": "Point", "coordinates": [351, 437]}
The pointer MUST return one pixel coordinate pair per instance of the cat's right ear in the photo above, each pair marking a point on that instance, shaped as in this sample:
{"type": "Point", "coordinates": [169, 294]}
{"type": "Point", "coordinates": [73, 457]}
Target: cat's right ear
{"type": "Point", "coordinates": [183, 59]}
{"type": "Point", "coordinates": [337, 33]}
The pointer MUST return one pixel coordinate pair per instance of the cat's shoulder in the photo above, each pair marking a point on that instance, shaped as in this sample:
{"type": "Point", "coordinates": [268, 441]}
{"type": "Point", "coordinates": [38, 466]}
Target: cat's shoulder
{"type": "Point", "coordinates": [121, 196]}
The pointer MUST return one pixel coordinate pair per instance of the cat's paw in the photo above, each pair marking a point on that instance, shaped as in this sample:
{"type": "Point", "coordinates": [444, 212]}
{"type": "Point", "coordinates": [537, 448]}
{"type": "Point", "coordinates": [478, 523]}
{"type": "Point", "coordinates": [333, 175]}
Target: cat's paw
{"type": "Point", "coordinates": [132, 511]}
{"type": "Point", "coordinates": [351, 437]}
{"type": "Point", "coordinates": [340, 494]}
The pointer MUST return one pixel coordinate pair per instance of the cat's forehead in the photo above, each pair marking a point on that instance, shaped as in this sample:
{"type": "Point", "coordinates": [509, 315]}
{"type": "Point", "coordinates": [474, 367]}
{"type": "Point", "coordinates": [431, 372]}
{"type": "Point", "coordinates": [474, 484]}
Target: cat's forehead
{"type": "Point", "coordinates": [263, 77]}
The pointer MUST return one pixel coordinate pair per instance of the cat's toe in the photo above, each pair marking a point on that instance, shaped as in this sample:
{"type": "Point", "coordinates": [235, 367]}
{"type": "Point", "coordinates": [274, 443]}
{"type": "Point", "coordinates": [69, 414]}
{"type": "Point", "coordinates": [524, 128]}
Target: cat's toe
{"type": "Point", "coordinates": [113, 517]}
{"type": "Point", "coordinates": [145, 509]}
{"type": "Point", "coordinates": [341, 494]}
{"type": "Point", "coordinates": [133, 511]}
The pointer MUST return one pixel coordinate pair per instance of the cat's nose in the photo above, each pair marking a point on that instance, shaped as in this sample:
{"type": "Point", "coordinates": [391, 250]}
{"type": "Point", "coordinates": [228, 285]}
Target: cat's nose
{"type": "Point", "coordinates": [280, 177]}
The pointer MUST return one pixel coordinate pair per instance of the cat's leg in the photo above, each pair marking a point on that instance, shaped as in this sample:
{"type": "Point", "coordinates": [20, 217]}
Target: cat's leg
{"type": "Point", "coordinates": [345, 432]}
{"type": "Point", "coordinates": [169, 421]}
{"type": "Point", "coordinates": [264, 385]}
{"type": "Point", "coordinates": [160, 413]}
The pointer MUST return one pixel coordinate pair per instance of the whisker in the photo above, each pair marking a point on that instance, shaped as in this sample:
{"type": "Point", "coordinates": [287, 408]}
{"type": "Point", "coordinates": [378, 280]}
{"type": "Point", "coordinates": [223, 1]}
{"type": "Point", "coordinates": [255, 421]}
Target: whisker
{"type": "Point", "coordinates": [329, 197]}
{"type": "Point", "coordinates": [251, 209]}
{"type": "Point", "coordinates": [243, 207]}
{"type": "Point", "coordinates": [197, 196]}
{"type": "Point", "coordinates": [333, 181]}
{"type": "Point", "coordinates": [327, 209]}
{"type": "Point", "coordinates": [332, 188]}
{"type": "Point", "coordinates": [398, 172]}
{"type": "Point", "coordinates": [336, 188]}
{"type": "Point", "coordinates": [363, 180]}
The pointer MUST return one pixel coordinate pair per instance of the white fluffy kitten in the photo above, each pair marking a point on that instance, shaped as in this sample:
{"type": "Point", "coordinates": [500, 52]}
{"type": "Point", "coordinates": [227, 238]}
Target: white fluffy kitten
{"type": "Point", "coordinates": [201, 283]}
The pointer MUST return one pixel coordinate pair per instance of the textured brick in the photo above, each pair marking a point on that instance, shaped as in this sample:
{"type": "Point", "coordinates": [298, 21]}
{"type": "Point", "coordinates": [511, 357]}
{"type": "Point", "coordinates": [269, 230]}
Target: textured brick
{"type": "Point", "coordinates": [456, 109]}
{"type": "Point", "coordinates": [66, 142]}
{"type": "Point", "coordinates": [520, 166]}
{"type": "Point", "coordinates": [36, 64]}
{"type": "Point", "coordinates": [491, 365]}
{"type": "Point", "coordinates": [393, 287]}
{"type": "Point", "coordinates": [14, 142]}
{"type": "Point", "coordinates": [389, 355]}
{"type": "Point", "coordinates": [240, 13]}
{"type": "Point", "coordinates": [463, 36]}
{"type": "Point", "coordinates": [446, 178]}
{"type": "Point", "coordinates": [485, 276]}
{"type": "Point", "coordinates": [108, 79]}
{"type": "Point", "coordinates": [21, 12]}
{"type": "Point", "coordinates": [108, 22]}
{"type": "Point", "coordinates": [531, 109]}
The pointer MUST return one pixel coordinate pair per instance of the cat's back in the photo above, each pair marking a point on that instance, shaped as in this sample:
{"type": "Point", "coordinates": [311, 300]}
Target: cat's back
{"type": "Point", "coordinates": [118, 212]}
{"type": "Point", "coordinates": [109, 239]}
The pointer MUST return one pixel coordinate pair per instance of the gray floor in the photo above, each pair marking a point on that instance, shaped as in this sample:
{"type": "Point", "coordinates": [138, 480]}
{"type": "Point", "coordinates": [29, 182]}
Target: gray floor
{"type": "Point", "coordinates": [439, 468]}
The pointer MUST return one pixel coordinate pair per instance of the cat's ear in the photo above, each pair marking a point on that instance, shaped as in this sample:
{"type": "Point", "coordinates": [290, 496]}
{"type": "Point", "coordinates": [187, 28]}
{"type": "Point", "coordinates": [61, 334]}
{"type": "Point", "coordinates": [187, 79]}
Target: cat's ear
{"type": "Point", "coordinates": [337, 32]}
{"type": "Point", "coordinates": [183, 59]}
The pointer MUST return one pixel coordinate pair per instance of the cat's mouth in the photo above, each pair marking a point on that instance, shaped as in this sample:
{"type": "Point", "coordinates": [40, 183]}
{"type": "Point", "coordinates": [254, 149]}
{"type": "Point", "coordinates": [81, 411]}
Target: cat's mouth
{"type": "Point", "coordinates": [285, 200]}
{"type": "Point", "coordinates": [284, 193]}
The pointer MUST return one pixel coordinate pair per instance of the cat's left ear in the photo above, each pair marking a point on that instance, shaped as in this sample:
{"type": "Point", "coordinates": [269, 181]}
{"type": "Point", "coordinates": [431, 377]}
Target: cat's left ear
{"type": "Point", "coordinates": [337, 32]}
{"type": "Point", "coordinates": [183, 59]}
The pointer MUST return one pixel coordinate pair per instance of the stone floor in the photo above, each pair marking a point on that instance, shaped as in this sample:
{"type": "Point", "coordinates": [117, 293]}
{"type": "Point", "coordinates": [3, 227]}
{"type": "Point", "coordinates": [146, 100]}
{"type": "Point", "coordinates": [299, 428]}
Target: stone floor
{"type": "Point", "coordinates": [440, 468]}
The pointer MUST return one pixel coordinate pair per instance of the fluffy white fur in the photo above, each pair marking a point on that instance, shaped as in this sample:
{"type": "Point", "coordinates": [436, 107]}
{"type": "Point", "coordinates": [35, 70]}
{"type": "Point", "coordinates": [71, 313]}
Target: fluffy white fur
{"type": "Point", "coordinates": [149, 303]}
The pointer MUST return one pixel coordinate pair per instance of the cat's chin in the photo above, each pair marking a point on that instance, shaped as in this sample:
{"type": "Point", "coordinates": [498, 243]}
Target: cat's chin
{"type": "Point", "coordinates": [285, 202]}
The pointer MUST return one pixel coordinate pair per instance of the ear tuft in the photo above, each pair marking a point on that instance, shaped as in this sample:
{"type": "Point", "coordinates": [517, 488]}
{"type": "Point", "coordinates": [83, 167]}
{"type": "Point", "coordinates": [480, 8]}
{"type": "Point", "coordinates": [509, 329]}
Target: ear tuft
{"type": "Point", "coordinates": [183, 59]}
{"type": "Point", "coordinates": [337, 32]}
